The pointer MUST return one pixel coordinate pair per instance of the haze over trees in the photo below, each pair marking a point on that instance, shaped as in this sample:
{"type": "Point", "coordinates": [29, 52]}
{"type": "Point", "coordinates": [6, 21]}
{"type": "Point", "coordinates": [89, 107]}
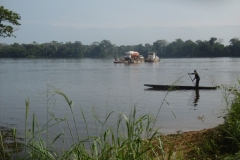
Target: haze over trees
{"type": "Point", "coordinates": [164, 49]}
{"type": "Point", "coordinates": [54, 49]}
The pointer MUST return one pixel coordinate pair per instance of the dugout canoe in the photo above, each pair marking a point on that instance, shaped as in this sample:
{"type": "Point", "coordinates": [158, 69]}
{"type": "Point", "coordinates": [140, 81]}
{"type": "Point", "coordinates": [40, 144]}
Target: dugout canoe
{"type": "Point", "coordinates": [175, 87]}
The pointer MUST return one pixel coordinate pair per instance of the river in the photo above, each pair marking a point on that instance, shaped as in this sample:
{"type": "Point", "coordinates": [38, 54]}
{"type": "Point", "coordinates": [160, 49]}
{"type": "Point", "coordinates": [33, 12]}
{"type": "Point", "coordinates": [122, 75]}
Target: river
{"type": "Point", "coordinates": [98, 86]}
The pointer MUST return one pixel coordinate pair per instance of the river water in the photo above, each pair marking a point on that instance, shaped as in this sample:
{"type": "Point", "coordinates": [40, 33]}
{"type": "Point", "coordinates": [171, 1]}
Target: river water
{"type": "Point", "coordinates": [98, 86]}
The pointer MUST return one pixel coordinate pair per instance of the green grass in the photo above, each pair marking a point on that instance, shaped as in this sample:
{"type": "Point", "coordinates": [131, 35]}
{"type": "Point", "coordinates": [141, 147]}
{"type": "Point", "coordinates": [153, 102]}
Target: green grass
{"type": "Point", "coordinates": [225, 140]}
{"type": "Point", "coordinates": [131, 139]}
{"type": "Point", "coordinates": [9, 143]}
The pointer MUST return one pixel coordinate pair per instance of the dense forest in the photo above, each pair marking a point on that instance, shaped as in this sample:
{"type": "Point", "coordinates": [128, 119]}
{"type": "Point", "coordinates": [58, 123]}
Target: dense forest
{"type": "Point", "coordinates": [175, 49]}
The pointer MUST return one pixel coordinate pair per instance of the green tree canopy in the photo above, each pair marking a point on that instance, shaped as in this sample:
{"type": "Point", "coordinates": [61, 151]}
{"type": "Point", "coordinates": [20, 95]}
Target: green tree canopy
{"type": "Point", "coordinates": [6, 17]}
{"type": "Point", "coordinates": [175, 49]}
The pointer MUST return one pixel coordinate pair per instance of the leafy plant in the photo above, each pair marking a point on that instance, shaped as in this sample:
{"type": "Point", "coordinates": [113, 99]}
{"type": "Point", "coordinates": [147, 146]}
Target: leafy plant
{"type": "Point", "coordinates": [9, 17]}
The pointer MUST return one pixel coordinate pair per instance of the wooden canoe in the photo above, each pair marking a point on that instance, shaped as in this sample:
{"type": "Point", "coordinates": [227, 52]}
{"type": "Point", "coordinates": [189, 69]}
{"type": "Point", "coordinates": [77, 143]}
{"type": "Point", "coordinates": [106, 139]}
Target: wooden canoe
{"type": "Point", "coordinates": [120, 61]}
{"type": "Point", "coordinates": [174, 87]}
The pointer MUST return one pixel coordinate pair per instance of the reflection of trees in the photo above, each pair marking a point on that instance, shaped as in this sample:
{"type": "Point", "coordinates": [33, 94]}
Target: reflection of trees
{"type": "Point", "coordinates": [9, 143]}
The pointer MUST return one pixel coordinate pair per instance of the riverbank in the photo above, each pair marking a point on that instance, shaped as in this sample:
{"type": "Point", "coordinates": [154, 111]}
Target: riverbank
{"type": "Point", "coordinates": [187, 145]}
{"type": "Point", "coordinates": [221, 142]}
{"type": "Point", "coordinates": [182, 145]}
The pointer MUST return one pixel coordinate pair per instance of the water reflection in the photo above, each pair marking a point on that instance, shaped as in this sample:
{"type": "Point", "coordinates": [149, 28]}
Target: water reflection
{"type": "Point", "coordinates": [10, 143]}
{"type": "Point", "coordinates": [194, 99]}
{"type": "Point", "coordinates": [195, 102]}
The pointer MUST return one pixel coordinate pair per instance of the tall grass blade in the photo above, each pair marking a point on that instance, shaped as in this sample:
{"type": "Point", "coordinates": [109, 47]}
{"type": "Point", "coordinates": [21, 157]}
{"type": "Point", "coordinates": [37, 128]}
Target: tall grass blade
{"type": "Point", "coordinates": [27, 104]}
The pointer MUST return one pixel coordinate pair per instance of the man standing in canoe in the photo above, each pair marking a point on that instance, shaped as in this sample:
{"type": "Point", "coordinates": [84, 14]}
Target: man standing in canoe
{"type": "Point", "coordinates": [196, 77]}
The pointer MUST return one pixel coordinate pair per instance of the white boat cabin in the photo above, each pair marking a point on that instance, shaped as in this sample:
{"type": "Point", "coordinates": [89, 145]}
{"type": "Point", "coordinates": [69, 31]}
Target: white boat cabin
{"type": "Point", "coordinates": [151, 55]}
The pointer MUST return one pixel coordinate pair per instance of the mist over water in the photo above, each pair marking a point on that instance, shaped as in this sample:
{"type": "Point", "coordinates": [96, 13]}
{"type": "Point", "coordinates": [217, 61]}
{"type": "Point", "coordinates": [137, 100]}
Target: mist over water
{"type": "Point", "coordinates": [99, 86]}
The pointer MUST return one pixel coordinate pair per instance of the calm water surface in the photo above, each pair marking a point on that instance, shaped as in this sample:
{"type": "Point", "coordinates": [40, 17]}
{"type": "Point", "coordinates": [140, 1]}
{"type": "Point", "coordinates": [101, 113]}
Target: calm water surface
{"type": "Point", "coordinates": [98, 86]}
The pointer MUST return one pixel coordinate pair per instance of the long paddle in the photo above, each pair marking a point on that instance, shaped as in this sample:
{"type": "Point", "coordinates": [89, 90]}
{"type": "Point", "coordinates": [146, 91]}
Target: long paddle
{"type": "Point", "coordinates": [191, 79]}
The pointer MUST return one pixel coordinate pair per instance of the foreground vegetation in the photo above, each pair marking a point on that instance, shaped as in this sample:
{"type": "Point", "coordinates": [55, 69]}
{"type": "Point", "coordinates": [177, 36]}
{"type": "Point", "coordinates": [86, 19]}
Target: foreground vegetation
{"type": "Point", "coordinates": [133, 137]}
{"type": "Point", "coordinates": [175, 49]}
{"type": "Point", "coordinates": [223, 141]}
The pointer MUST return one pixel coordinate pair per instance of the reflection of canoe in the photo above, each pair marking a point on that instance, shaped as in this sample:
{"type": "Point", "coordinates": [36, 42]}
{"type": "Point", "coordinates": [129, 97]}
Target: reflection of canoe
{"type": "Point", "coordinates": [173, 87]}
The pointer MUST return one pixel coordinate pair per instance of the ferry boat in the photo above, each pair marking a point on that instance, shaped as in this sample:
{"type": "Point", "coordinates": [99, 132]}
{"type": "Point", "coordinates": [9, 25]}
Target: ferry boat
{"type": "Point", "coordinates": [152, 57]}
{"type": "Point", "coordinates": [130, 57]}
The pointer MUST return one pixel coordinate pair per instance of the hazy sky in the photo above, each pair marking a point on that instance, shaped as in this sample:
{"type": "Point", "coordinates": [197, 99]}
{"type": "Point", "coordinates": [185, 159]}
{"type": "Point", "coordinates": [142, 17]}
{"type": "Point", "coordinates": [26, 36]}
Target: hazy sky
{"type": "Point", "coordinates": [124, 22]}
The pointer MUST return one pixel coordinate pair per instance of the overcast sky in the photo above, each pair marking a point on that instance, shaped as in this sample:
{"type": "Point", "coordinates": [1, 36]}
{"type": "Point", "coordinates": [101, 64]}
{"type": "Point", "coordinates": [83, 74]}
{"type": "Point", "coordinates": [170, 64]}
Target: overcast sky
{"type": "Point", "coordinates": [124, 22]}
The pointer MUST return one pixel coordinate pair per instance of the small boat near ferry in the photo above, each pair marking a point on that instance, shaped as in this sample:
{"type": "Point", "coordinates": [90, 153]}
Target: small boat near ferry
{"type": "Point", "coordinates": [152, 57]}
{"type": "Point", "coordinates": [119, 61]}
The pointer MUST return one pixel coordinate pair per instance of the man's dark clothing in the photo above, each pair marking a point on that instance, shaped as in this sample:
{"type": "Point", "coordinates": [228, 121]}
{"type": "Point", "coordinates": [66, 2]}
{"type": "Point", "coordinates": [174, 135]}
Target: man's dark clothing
{"type": "Point", "coordinates": [197, 79]}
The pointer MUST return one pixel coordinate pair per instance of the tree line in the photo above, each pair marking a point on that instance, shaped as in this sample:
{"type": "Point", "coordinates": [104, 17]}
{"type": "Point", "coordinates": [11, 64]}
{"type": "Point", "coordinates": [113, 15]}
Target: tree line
{"type": "Point", "coordinates": [175, 49]}
{"type": "Point", "coordinates": [54, 49]}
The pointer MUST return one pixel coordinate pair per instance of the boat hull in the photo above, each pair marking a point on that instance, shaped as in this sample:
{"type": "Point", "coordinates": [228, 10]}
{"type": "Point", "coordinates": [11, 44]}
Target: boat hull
{"type": "Point", "coordinates": [119, 61]}
{"type": "Point", "coordinates": [150, 60]}
{"type": "Point", "coordinates": [174, 87]}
